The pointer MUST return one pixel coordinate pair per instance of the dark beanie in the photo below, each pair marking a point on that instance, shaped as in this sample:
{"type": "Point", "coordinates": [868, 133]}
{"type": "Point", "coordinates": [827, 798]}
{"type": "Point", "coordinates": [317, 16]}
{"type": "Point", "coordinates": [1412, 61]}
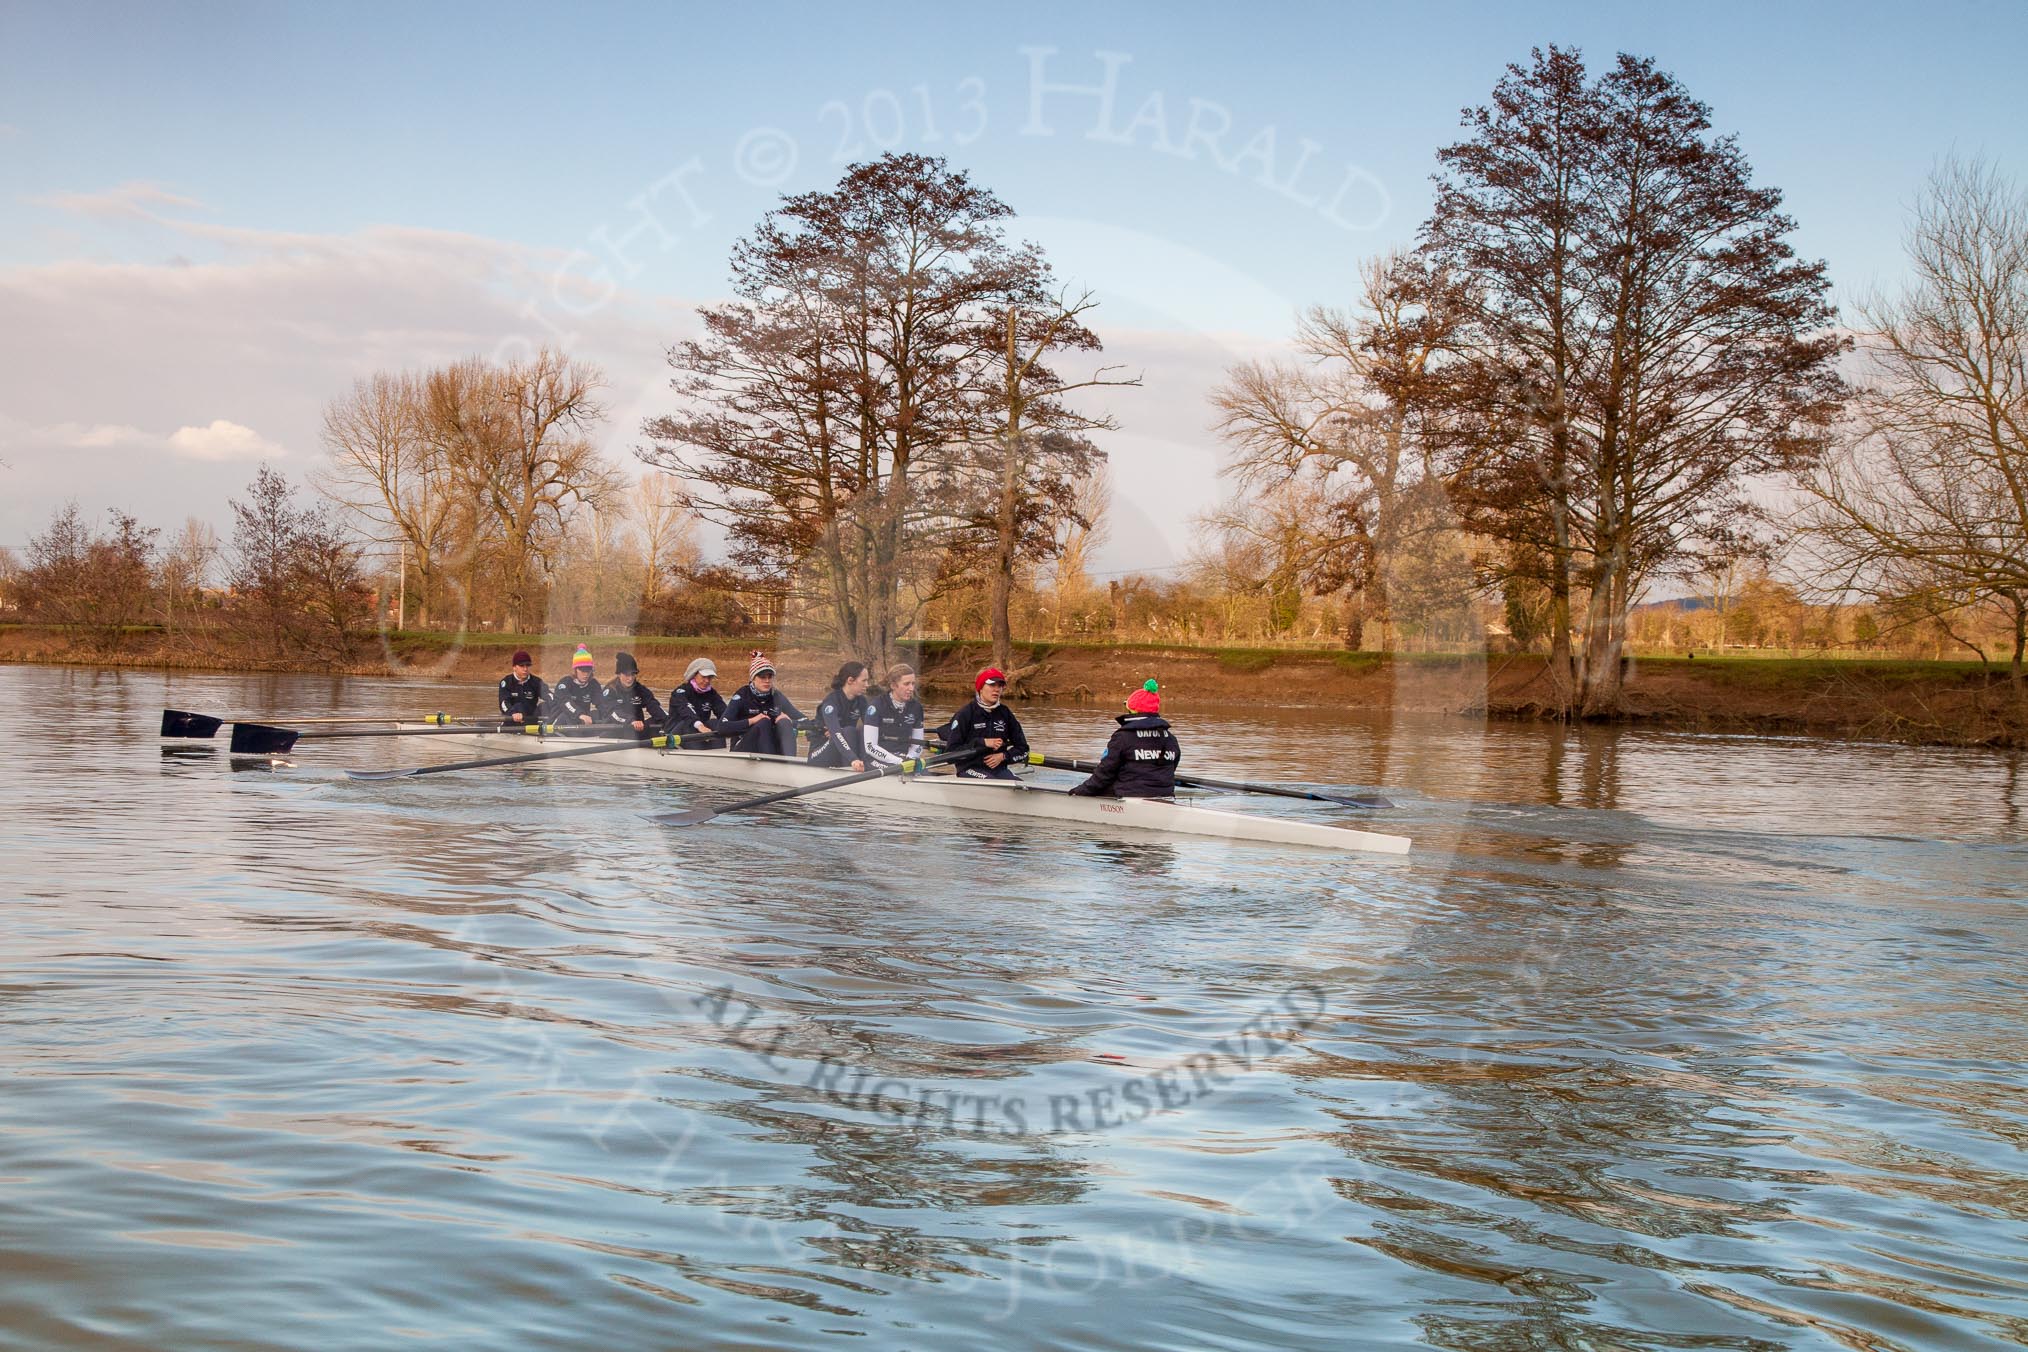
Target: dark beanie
{"type": "Point", "coordinates": [624, 664]}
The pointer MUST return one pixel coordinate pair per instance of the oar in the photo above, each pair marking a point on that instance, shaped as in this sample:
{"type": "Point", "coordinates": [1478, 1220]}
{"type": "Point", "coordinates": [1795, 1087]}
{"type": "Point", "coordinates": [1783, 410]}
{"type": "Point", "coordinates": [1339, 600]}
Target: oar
{"type": "Point", "coordinates": [261, 739]}
{"type": "Point", "coordinates": [1232, 785]}
{"type": "Point", "coordinates": [704, 814]}
{"type": "Point", "coordinates": [663, 743]}
{"type": "Point", "coordinates": [182, 723]}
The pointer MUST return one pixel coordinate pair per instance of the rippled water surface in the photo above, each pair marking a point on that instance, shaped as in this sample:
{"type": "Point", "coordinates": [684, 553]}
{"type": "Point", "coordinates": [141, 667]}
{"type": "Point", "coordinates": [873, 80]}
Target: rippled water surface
{"type": "Point", "coordinates": [1653, 1041]}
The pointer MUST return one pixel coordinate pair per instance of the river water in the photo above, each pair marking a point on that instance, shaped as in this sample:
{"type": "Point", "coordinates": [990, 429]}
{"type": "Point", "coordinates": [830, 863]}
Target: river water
{"type": "Point", "coordinates": [1655, 1040]}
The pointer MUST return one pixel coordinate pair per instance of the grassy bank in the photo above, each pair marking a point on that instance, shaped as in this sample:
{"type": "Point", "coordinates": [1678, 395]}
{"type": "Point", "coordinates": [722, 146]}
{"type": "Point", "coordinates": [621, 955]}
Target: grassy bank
{"type": "Point", "coordinates": [1943, 703]}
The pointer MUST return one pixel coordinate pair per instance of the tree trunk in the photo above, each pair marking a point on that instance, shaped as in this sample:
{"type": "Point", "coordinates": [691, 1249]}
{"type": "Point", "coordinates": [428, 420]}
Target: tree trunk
{"type": "Point", "coordinates": [1603, 695]}
{"type": "Point", "coordinates": [1004, 523]}
{"type": "Point", "coordinates": [2020, 641]}
{"type": "Point", "coordinates": [1606, 639]}
{"type": "Point", "coordinates": [1003, 567]}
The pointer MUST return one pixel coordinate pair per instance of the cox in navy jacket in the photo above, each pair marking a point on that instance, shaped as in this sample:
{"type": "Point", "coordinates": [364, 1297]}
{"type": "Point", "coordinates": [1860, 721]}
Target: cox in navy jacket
{"type": "Point", "coordinates": [1140, 761]}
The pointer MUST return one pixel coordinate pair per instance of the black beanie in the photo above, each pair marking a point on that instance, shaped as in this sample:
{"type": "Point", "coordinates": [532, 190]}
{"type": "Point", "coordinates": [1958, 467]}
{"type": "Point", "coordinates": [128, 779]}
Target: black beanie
{"type": "Point", "coordinates": [624, 664]}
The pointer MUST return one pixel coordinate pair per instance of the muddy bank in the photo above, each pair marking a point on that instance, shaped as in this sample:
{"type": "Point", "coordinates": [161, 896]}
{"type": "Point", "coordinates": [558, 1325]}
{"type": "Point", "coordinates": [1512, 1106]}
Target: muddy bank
{"type": "Point", "coordinates": [1934, 703]}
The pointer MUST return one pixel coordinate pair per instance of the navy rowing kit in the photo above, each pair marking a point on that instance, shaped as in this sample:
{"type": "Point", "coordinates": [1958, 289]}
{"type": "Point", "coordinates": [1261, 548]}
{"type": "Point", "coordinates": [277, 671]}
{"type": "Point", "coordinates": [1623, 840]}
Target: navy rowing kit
{"type": "Point", "coordinates": [1140, 761]}
{"type": "Point", "coordinates": [689, 706]}
{"type": "Point", "coordinates": [838, 736]}
{"type": "Point", "coordinates": [892, 731]}
{"type": "Point", "coordinates": [626, 704]}
{"type": "Point", "coordinates": [771, 738]}
{"type": "Point", "coordinates": [527, 698]}
{"type": "Point", "coordinates": [968, 730]}
{"type": "Point", "coordinates": [571, 701]}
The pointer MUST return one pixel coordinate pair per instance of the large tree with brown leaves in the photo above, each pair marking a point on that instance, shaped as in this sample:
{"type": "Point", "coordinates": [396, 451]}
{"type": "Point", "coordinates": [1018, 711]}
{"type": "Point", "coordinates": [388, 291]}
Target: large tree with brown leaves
{"type": "Point", "coordinates": [1642, 340]}
{"type": "Point", "coordinates": [835, 414]}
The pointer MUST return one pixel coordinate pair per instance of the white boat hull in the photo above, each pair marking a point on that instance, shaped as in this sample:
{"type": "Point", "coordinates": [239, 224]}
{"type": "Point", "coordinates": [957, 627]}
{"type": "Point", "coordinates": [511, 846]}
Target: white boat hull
{"type": "Point", "coordinates": [928, 793]}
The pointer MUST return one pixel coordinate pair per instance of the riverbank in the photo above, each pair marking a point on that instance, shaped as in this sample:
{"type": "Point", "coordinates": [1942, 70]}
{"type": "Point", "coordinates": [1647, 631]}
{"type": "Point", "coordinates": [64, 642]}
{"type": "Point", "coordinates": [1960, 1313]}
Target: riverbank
{"type": "Point", "coordinates": [1934, 703]}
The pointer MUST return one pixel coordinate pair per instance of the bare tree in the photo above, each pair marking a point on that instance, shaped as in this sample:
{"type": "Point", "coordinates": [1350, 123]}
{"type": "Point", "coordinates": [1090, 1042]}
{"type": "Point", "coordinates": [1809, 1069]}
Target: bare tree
{"type": "Point", "coordinates": [186, 567]}
{"type": "Point", "coordinates": [1925, 504]}
{"type": "Point", "coordinates": [388, 472]}
{"type": "Point", "coordinates": [1258, 553]}
{"type": "Point", "coordinates": [518, 444]}
{"type": "Point", "coordinates": [669, 545]}
{"type": "Point", "coordinates": [294, 575]}
{"type": "Point", "coordinates": [1084, 531]}
{"type": "Point", "coordinates": [1043, 448]}
{"type": "Point", "coordinates": [1347, 417]}
{"type": "Point", "coordinates": [1723, 576]}
{"type": "Point", "coordinates": [98, 583]}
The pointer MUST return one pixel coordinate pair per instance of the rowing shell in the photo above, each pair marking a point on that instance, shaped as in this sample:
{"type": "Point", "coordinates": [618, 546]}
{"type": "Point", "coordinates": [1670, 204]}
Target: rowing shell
{"type": "Point", "coordinates": [921, 794]}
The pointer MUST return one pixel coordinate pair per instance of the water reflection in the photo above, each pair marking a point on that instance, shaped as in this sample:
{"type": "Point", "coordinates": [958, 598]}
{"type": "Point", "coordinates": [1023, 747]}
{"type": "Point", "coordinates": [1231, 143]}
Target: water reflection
{"type": "Point", "coordinates": [1149, 857]}
{"type": "Point", "coordinates": [2010, 788]}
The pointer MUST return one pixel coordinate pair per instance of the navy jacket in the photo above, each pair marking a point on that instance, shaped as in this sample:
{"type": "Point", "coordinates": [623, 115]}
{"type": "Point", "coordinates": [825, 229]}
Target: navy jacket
{"type": "Point", "coordinates": [528, 698]}
{"type": "Point", "coordinates": [838, 738]}
{"type": "Point", "coordinates": [1140, 761]}
{"type": "Point", "coordinates": [896, 729]}
{"type": "Point", "coordinates": [568, 699]}
{"type": "Point", "coordinates": [689, 706]}
{"type": "Point", "coordinates": [974, 723]}
{"type": "Point", "coordinates": [624, 704]}
{"type": "Point", "coordinates": [767, 739]}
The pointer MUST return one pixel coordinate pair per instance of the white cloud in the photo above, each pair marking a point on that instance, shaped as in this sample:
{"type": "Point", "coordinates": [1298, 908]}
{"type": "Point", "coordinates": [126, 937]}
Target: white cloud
{"type": "Point", "coordinates": [223, 440]}
{"type": "Point", "coordinates": [219, 440]}
{"type": "Point", "coordinates": [231, 349]}
{"type": "Point", "coordinates": [133, 198]}
{"type": "Point", "coordinates": [93, 437]}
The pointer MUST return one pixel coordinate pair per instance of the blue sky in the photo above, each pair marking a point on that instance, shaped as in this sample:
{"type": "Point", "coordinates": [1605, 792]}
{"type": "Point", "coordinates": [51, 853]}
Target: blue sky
{"type": "Point", "coordinates": [289, 195]}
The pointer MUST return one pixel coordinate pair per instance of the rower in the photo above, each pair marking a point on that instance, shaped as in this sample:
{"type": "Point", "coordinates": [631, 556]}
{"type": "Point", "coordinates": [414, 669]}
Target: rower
{"type": "Point", "coordinates": [988, 728]}
{"type": "Point", "coordinates": [840, 719]}
{"type": "Point", "coordinates": [1140, 760]}
{"type": "Point", "coordinates": [627, 700]}
{"type": "Point", "coordinates": [522, 692]}
{"type": "Point", "coordinates": [893, 729]}
{"type": "Point", "coordinates": [577, 701]}
{"type": "Point", "coordinates": [695, 706]}
{"type": "Point", "coordinates": [767, 716]}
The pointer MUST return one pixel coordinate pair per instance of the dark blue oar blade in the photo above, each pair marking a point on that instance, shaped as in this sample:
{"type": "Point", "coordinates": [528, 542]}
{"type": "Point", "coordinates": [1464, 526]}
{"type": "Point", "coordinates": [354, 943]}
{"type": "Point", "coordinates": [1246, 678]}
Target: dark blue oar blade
{"type": "Point", "coordinates": [182, 723]}
{"type": "Point", "coordinates": [258, 739]}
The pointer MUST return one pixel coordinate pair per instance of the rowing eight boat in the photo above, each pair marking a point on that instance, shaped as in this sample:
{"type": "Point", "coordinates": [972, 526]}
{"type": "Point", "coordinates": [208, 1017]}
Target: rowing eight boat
{"type": "Point", "coordinates": [920, 794]}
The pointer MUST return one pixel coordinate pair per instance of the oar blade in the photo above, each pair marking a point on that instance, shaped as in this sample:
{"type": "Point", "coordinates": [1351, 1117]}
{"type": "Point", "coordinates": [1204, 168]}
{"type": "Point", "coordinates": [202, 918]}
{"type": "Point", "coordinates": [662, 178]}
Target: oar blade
{"type": "Point", "coordinates": [1352, 800]}
{"type": "Point", "coordinates": [695, 817]}
{"type": "Point", "coordinates": [258, 739]}
{"type": "Point", "coordinates": [182, 723]}
{"type": "Point", "coordinates": [400, 772]}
